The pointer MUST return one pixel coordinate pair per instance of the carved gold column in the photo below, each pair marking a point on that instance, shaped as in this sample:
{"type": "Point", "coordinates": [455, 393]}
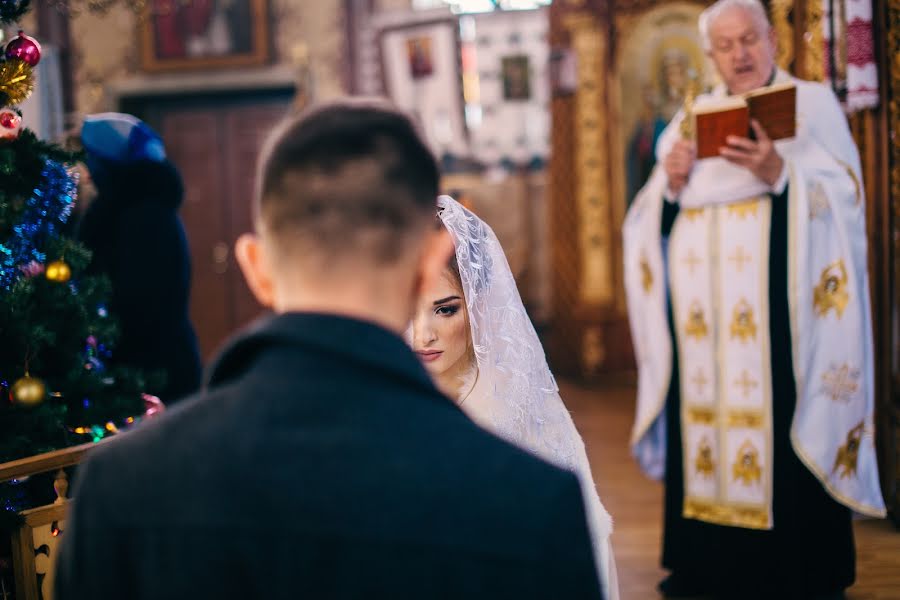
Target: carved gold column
{"type": "Point", "coordinates": [784, 31]}
{"type": "Point", "coordinates": [591, 159]}
{"type": "Point", "coordinates": [814, 57]}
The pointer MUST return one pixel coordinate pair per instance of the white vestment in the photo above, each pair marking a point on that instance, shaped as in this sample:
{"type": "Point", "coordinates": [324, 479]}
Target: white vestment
{"type": "Point", "coordinates": [715, 273]}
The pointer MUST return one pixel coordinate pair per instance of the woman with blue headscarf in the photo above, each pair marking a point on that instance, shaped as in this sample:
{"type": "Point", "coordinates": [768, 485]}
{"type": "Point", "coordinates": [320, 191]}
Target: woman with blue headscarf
{"type": "Point", "coordinates": [138, 241]}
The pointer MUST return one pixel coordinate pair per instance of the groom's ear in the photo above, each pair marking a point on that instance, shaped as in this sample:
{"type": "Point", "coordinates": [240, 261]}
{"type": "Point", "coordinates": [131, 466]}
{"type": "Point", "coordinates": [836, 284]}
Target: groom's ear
{"type": "Point", "coordinates": [255, 264]}
{"type": "Point", "coordinates": [436, 252]}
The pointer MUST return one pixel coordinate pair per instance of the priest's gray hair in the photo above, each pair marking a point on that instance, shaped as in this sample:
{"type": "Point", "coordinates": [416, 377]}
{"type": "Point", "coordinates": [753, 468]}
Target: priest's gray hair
{"type": "Point", "coordinates": [754, 7]}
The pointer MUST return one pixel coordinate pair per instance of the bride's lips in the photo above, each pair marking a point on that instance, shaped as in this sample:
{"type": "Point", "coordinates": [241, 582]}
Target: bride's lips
{"type": "Point", "coordinates": [429, 355]}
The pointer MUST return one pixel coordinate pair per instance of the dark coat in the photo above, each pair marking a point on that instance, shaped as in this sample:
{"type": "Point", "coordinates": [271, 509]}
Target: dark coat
{"type": "Point", "coordinates": [321, 463]}
{"type": "Point", "coordinates": [138, 241]}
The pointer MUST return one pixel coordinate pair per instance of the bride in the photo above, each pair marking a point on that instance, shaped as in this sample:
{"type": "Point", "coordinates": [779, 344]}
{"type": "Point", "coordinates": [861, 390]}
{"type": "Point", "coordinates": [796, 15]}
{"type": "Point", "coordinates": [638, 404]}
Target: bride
{"type": "Point", "coordinates": [473, 335]}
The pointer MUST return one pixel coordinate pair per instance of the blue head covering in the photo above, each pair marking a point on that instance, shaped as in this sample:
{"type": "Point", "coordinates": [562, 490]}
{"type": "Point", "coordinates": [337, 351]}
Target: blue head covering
{"type": "Point", "coordinates": [120, 138]}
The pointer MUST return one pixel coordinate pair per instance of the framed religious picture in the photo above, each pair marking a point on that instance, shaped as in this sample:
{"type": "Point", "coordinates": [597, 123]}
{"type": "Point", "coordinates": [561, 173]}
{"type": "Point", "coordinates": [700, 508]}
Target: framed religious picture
{"type": "Point", "coordinates": [418, 52]}
{"type": "Point", "coordinates": [659, 55]}
{"type": "Point", "coordinates": [420, 65]}
{"type": "Point", "coordinates": [516, 74]}
{"type": "Point", "coordinates": [201, 34]}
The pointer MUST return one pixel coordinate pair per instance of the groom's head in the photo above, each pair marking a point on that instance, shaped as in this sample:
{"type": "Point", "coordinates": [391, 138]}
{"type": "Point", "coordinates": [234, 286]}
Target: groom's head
{"type": "Point", "coordinates": [344, 206]}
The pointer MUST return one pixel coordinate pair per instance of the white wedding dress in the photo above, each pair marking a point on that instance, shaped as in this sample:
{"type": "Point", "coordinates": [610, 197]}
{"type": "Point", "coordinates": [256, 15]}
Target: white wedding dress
{"type": "Point", "coordinates": [512, 392]}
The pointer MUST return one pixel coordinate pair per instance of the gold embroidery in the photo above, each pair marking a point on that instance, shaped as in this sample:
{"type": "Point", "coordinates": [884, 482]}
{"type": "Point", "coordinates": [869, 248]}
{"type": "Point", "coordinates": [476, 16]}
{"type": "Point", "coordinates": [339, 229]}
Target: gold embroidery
{"type": "Point", "coordinates": [704, 462]}
{"type": "Point", "coordinates": [856, 184]}
{"type": "Point", "coordinates": [700, 380]}
{"type": "Point", "coordinates": [745, 420]}
{"type": "Point", "coordinates": [840, 383]}
{"type": "Point", "coordinates": [746, 467]}
{"type": "Point", "coordinates": [740, 258]}
{"type": "Point", "coordinates": [701, 416]}
{"type": "Point", "coordinates": [832, 290]}
{"type": "Point", "coordinates": [746, 383]}
{"type": "Point", "coordinates": [734, 516]}
{"type": "Point", "coordinates": [692, 213]}
{"type": "Point", "coordinates": [646, 275]}
{"type": "Point", "coordinates": [692, 260]}
{"type": "Point", "coordinates": [743, 325]}
{"type": "Point", "coordinates": [818, 201]}
{"type": "Point", "coordinates": [743, 209]}
{"type": "Point", "coordinates": [696, 326]}
{"type": "Point", "coordinates": [848, 454]}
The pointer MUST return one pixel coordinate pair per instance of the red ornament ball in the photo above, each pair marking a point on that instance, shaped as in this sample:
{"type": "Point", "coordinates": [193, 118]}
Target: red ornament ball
{"type": "Point", "coordinates": [24, 48]}
{"type": "Point", "coordinates": [10, 124]}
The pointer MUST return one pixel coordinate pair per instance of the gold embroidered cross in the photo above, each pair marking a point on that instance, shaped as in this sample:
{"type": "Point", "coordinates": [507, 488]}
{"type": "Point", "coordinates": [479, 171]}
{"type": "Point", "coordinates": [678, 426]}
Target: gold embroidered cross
{"type": "Point", "coordinates": [840, 383]}
{"type": "Point", "coordinates": [739, 258]}
{"type": "Point", "coordinates": [700, 381]}
{"type": "Point", "coordinates": [692, 260]}
{"type": "Point", "coordinates": [746, 383]}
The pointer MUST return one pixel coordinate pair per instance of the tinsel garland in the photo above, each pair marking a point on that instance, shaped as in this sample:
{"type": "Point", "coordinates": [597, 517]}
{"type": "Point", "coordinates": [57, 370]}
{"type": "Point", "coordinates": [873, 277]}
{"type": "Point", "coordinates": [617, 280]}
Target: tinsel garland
{"type": "Point", "coordinates": [50, 204]}
{"type": "Point", "coordinates": [16, 81]}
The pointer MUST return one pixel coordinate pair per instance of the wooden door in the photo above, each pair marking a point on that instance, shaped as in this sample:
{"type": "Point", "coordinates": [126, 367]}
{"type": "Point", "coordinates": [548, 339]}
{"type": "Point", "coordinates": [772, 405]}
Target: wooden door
{"type": "Point", "coordinates": [215, 144]}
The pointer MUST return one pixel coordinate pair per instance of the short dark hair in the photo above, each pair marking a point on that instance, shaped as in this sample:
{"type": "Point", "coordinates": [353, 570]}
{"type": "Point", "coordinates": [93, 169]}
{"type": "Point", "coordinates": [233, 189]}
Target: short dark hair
{"type": "Point", "coordinates": [344, 174]}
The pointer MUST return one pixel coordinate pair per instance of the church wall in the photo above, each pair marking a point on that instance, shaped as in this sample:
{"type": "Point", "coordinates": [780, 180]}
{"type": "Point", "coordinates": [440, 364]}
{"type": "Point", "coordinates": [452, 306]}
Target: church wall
{"type": "Point", "coordinates": [104, 60]}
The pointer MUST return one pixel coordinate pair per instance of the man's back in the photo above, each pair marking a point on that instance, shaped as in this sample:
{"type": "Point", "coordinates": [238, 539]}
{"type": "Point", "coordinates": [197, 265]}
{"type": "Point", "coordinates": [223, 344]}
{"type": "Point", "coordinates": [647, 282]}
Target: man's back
{"type": "Point", "coordinates": [322, 462]}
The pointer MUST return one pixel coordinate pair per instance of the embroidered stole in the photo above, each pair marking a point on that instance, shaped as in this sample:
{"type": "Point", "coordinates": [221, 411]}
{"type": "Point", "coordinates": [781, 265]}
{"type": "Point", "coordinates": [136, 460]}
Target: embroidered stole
{"type": "Point", "coordinates": [718, 263]}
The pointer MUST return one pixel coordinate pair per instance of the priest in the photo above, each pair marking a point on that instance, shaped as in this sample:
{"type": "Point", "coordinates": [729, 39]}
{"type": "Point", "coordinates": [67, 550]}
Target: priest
{"type": "Point", "coordinates": [748, 296]}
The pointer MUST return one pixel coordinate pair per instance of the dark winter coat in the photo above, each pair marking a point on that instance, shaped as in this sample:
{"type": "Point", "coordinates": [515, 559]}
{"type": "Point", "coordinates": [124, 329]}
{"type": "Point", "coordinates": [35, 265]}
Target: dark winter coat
{"type": "Point", "coordinates": [138, 241]}
{"type": "Point", "coordinates": [321, 462]}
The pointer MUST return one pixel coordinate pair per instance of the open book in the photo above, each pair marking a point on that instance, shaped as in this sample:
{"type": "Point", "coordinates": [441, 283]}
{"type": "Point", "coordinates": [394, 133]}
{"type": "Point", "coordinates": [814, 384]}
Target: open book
{"type": "Point", "coordinates": [774, 106]}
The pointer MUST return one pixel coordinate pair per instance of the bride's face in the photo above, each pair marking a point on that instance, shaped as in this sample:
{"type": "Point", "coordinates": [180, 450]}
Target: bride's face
{"type": "Point", "coordinates": [441, 329]}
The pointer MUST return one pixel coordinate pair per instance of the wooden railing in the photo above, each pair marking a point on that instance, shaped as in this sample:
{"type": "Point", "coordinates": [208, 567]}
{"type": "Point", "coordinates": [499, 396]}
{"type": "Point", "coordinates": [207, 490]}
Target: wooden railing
{"type": "Point", "coordinates": [35, 542]}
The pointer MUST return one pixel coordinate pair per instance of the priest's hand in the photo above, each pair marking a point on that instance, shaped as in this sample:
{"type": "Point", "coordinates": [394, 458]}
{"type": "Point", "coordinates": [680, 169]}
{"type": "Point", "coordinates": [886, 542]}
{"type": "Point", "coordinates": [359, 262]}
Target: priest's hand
{"type": "Point", "coordinates": [678, 164]}
{"type": "Point", "coordinates": [759, 157]}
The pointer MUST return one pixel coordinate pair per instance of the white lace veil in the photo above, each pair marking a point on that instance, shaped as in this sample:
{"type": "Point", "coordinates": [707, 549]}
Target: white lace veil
{"type": "Point", "coordinates": [524, 406]}
{"type": "Point", "coordinates": [526, 409]}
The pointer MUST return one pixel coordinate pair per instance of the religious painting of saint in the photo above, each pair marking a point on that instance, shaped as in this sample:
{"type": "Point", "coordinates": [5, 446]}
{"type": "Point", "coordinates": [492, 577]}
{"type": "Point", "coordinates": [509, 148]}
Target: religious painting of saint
{"type": "Point", "coordinates": [204, 34]}
{"type": "Point", "coordinates": [516, 76]}
{"type": "Point", "coordinates": [418, 51]}
{"type": "Point", "coordinates": [653, 78]}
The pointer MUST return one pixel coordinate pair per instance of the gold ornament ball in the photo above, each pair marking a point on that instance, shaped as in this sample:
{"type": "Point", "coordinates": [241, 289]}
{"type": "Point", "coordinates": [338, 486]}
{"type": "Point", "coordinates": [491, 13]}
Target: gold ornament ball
{"type": "Point", "coordinates": [58, 271]}
{"type": "Point", "coordinates": [29, 391]}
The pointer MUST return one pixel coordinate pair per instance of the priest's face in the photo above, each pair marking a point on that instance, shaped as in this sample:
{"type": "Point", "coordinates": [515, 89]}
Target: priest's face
{"type": "Point", "coordinates": [742, 47]}
{"type": "Point", "coordinates": [440, 331]}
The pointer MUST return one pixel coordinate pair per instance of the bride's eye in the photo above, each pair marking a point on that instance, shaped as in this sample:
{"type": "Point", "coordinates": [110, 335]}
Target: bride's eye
{"type": "Point", "coordinates": [446, 311]}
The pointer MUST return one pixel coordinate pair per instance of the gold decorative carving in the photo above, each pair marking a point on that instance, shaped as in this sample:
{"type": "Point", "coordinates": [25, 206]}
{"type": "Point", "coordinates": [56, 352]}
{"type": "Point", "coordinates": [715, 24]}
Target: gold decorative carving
{"type": "Point", "coordinates": [784, 31]}
{"type": "Point", "coordinates": [814, 67]}
{"type": "Point", "coordinates": [848, 454]}
{"type": "Point", "coordinates": [832, 290]}
{"type": "Point", "coordinates": [746, 466]}
{"type": "Point", "coordinates": [593, 351]}
{"type": "Point", "coordinates": [591, 159]}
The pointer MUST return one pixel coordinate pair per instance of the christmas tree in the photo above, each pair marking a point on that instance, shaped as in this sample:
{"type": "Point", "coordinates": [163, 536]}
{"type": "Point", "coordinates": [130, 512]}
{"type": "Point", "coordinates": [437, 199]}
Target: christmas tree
{"type": "Point", "coordinates": [56, 335]}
